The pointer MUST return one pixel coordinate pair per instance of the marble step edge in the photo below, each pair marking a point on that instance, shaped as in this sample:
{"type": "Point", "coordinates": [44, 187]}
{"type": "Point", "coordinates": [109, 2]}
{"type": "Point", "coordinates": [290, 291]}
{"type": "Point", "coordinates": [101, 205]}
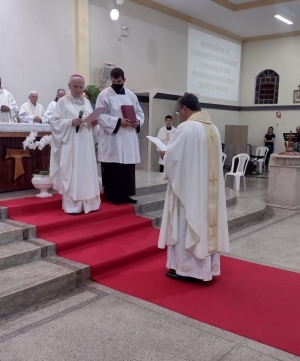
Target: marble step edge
{"type": "Point", "coordinates": [75, 274]}
{"type": "Point", "coordinates": [233, 222]}
{"type": "Point", "coordinates": [157, 188]}
{"type": "Point", "coordinates": [20, 252]}
{"type": "Point", "coordinates": [20, 231]}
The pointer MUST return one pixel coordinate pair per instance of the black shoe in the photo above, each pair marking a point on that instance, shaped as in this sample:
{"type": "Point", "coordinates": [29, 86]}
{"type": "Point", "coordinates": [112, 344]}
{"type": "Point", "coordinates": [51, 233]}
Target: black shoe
{"type": "Point", "coordinates": [172, 274]}
{"type": "Point", "coordinates": [116, 202]}
{"type": "Point", "coordinates": [130, 200]}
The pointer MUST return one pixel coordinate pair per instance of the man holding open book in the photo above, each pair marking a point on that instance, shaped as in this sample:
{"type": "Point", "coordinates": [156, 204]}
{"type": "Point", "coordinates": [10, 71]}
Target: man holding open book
{"type": "Point", "coordinates": [118, 147]}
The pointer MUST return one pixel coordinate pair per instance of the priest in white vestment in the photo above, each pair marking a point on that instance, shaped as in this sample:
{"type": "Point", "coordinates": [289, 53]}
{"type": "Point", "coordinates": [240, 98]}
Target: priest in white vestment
{"type": "Point", "coordinates": [8, 107]}
{"type": "Point", "coordinates": [194, 224]}
{"type": "Point", "coordinates": [59, 94]}
{"type": "Point", "coordinates": [73, 167]}
{"type": "Point", "coordinates": [32, 111]}
{"type": "Point", "coordinates": [118, 146]}
{"type": "Point", "coordinates": [165, 134]}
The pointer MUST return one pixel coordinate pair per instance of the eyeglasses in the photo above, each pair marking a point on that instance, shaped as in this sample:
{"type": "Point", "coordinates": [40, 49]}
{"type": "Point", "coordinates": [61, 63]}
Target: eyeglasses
{"type": "Point", "coordinates": [177, 111]}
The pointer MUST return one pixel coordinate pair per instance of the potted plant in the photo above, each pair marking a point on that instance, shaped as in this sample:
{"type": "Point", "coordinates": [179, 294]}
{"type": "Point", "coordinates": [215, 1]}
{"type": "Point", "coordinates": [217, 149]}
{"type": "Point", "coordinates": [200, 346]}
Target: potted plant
{"type": "Point", "coordinates": [93, 92]}
{"type": "Point", "coordinates": [40, 178]}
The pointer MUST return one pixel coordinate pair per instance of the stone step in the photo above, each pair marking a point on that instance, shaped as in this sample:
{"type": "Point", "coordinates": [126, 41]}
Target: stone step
{"type": "Point", "coordinates": [11, 231]}
{"type": "Point", "coordinates": [150, 202]}
{"type": "Point", "coordinates": [20, 252]}
{"type": "Point", "coordinates": [30, 283]}
{"type": "Point", "coordinates": [246, 209]}
{"type": "Point", "coordinates": [157, 188]}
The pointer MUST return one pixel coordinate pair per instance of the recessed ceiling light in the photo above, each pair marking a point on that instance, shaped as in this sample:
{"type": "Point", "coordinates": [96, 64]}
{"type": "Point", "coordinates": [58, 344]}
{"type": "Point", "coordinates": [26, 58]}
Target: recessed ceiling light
{"type": "Point", "coordinates": [283, 19]}
{"type": "Point", "coordinates": [114, 14]}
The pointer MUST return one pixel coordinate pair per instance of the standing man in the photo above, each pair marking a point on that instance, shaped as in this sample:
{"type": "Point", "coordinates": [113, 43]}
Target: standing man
{"type": "Point", "coordinates": [73, 168]}
{"type": "Point", "coordinates": [296, 143]}
{"type": "Point", "coordinates": [165, 135]}
{"type": "Point", "coordinates": [59, 94]}
{"type": "Point", "coordinates": [118, 146]}
{"type": "Point", "coordinates": [32, 111]}
{"type": "Point", "coordinates": [269, 143]}
{"type": "Point", "coordinates": [194, 224]}
{"type": "Point", "coordinates": [8, 107]}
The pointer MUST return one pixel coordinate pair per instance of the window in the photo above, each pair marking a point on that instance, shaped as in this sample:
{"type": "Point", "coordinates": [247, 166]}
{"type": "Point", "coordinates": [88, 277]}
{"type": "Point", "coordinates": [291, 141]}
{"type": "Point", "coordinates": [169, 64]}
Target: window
{"type": "Point", "coordinates": [267, 87]}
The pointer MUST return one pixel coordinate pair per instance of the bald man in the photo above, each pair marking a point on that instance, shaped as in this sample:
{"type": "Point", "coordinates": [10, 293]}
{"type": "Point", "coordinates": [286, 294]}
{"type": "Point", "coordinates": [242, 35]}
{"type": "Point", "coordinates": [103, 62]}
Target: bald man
{"type": "Point", "coordinates": [73, 167]}
{"type": "Point", "coordinates": [32, 111]}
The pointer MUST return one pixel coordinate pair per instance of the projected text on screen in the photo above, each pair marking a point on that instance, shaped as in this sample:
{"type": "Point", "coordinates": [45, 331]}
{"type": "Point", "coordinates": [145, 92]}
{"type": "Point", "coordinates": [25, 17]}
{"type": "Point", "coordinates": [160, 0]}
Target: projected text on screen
{"type": "Point", "coordinates": [213, 66]}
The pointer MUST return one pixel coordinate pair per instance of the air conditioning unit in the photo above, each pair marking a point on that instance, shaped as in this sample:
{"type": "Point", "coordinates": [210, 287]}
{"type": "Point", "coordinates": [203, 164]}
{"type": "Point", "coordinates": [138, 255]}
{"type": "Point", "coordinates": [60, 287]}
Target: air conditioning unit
{"type": "Point", "coordinates": [105, 74]}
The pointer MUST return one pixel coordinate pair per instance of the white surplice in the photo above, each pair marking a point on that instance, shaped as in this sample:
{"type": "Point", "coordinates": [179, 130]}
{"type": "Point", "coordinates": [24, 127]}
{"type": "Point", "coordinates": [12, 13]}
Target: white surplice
{"type": "Point", "coordinates": [122, 147]}
{"type": "Point", "coordinates": [185, 226]}
{"type": "Point", "coordinates": [165, 136]}
{"type": "Point", "coordinates": [73, 167]}
{"type": "Point", "coordinates": [49, 111]}
{"type": "Point", "coordinates": [7, 99]}
{"type": "Point", "coordinates": [28, 111]}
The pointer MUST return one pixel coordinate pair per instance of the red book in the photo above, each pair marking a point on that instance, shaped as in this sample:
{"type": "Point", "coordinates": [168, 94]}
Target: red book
{"type": "Point", "coordinates": [129, 113]}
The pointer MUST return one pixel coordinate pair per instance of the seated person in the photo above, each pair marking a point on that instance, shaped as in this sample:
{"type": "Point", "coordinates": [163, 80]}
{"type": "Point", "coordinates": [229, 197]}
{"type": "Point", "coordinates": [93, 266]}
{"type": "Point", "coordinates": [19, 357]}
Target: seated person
{"type": "Point", "coordinates": [269, 143]}
{"type": "Point", "coordinates": [32, 111]}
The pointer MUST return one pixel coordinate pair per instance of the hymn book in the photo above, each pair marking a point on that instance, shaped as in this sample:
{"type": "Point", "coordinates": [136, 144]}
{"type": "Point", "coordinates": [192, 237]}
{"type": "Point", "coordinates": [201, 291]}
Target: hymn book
{"type": "Point", "coordinates": [129, 113]}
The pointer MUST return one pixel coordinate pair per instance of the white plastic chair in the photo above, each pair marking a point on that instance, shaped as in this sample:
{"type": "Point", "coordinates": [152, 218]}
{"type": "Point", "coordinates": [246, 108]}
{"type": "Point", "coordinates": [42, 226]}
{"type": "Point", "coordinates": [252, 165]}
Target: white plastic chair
{"type": "Point", "coordinates": [243, 160]}
{"type": "Point", "coordinates": [224, 156]}
{"type": "Point", "coordinates": [261, 163]}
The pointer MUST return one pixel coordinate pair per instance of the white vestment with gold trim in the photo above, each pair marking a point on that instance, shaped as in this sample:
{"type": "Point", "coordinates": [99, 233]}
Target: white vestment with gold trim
{"type": "Point", "coordinates": [194, 223]}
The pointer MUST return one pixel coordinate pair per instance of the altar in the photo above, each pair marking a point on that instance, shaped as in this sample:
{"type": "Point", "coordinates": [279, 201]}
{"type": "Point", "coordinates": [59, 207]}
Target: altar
{"type": "Point", "coordinates": [16, 166]}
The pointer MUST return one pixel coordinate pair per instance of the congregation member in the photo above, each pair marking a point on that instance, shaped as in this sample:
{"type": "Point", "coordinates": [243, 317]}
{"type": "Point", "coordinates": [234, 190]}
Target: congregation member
{"type": "Point", "coordinates": [87, 95]}
{"type": "Point", "coordinates": [269, 143]}
{"type": "Point", "coordinates": [296, 142]}
{"type": "Point", "coordinates": [32, 111]}
{"type": "Point", "coordinates": [165, 134]}
{"type": "Point", "coordinates": [194, 224]}
{"type": "Point", "coordinates": [8, 106]}
{"type": "Point", "coordinates": [118, 146]}
{"type": "Point", "coordinates": [73, 167]}
{"type": "Point", "coordinates": [59, 94]}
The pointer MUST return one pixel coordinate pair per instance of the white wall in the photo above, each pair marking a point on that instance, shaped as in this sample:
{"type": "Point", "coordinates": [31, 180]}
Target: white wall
{"type": "Point", "coordinates": [281, 55]}
{"type": "Point", "coordinates": [37, 45]}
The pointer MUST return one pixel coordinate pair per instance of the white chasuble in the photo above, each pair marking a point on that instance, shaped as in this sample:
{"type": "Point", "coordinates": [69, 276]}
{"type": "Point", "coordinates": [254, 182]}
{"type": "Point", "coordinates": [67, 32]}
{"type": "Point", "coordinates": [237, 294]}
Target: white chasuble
{"type": "Point", "coordinates": [195, 215]}
{"type": "Point", "coordinates": [122, 147]}
{"type": "Point", "coordinates": [7, 99]}
{"type": "Point", "coordinates": [28, 111]}
{"type": "Point", "coordinates": [73, 167]}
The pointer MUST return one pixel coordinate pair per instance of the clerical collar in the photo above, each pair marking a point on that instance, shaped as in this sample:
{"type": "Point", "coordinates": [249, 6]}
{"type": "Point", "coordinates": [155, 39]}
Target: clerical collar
{"type": "Point", "coordinates": [169, 128]}
{"type": "Point", "coordinates": [122, 92]}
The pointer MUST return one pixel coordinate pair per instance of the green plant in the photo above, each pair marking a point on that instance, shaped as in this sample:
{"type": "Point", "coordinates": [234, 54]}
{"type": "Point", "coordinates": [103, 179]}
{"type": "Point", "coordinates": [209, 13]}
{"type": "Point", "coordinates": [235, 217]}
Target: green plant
{"type": "Point", "coordinates": [93, 91]}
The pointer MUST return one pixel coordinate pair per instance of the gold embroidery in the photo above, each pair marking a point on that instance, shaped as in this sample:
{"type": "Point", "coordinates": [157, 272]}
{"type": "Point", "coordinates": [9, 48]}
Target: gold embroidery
{"type": "Point", "coordinates": [214, 180]}
{"type": "Point", "coordinates": [211, 135]}
{"type": "Point", "coordinates": [212, 226]}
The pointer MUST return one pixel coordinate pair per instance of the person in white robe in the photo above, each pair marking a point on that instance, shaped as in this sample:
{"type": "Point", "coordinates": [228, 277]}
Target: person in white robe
{"type": "Point", "coordinates": [8, 106]}
{"type": "Point", "coordinates": [194, 224]}
{"type": "Point", "coordinates": [118, 146]}
{"type": "Point", "coordinates": [73, 167]}
{"type": "Point", "coordinates": [59, 94]}
{"type": "Point", "coordinates": [165, 134]}
{"type": "Point", "coordinates": [32, 111]}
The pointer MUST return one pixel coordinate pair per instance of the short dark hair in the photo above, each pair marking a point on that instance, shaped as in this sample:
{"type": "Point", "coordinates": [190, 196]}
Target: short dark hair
{"type": "Point", "coordinates": [117, 73]}
{"type": "Point", "coordinates": [190, 101]}
{"type": "Point", "coordinates": [168, 117]}
{"type": "Point", "coordinates": [271, 127]}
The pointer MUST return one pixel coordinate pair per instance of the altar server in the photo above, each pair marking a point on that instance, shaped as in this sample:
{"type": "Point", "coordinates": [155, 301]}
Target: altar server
{"type": "Point", "coordinates": [194, 224]}
{"type": "Point", "coordinates": [8, 107]}
{"type": "Point", "coordinates": [118, 146]}
{"type": "Point", "coordinates": [32, 111]}
{"type": "Point", "coordinates": [73, 167]}
{"type": "Point", "coordinates": [165, 134]}
{"type": "Point", "coordinates": [59, 94]}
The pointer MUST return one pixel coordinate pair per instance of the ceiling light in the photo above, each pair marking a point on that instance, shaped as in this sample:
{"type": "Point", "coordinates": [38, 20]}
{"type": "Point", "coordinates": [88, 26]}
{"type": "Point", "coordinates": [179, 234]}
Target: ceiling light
{"type": "Point", "coordinates": [114, 14]}
{"type": "Point", "coordinates": [120, 2]}
{"type": "Point", "coordinates": [283, 19]}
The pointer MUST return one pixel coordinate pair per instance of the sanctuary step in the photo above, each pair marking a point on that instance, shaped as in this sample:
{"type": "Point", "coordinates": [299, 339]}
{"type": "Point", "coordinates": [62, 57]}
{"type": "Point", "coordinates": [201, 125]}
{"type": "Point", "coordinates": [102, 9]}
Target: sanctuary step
{"type": "Point", "coordinates": [29, 269]}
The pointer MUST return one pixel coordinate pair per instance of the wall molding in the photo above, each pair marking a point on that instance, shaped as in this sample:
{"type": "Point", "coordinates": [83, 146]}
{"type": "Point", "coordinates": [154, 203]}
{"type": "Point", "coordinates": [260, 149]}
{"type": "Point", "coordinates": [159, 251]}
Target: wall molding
{"type": "Point", "coordinates": [254, 108]}
{"type": "Point", "coordinates": [250, 5]}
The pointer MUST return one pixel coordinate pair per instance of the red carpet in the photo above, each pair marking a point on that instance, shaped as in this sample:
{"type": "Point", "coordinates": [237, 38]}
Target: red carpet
{"type": "Point", "coordinates": [258, 302]}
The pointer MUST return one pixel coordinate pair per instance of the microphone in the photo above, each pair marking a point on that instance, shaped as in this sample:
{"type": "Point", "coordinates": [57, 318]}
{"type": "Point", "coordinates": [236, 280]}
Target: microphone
{"type": "Point", "coordinates": [80, 116]}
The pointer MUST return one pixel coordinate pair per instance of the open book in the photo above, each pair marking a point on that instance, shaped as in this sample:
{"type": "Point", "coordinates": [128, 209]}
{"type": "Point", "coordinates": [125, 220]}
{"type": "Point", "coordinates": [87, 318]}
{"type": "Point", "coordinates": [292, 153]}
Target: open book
{"type": "Point", "coordinates": [160, 145]}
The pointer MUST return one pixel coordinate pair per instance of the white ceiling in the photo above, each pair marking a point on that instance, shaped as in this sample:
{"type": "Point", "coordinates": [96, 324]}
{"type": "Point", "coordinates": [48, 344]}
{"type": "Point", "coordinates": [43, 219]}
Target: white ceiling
{"type": "Point", "coordinates": [245, 23]}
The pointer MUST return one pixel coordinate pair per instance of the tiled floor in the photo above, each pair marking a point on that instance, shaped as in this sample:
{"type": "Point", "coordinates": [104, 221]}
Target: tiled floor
{"type": "Point", "coordinates": [97, 323]}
